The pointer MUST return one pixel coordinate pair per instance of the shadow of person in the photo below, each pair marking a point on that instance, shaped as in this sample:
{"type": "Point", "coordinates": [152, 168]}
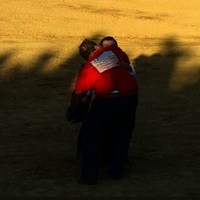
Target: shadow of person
{"type": "Point", "coordinates": [33, 125]}
{"type": "Point", "coordinates": [154, 72]}
{"type": "Point", "coordinates": [167, 128]}
{"type": "Point", "coordinates": [5, 57]}
{"type": "Point", "coordinates": [31, 85]}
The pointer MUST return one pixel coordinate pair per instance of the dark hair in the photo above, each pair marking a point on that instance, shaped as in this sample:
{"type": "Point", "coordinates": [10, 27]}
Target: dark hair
{"type": "Point", "coordinates": [86, 48]}
{"type": "Point", "coordinates": [108, 38]}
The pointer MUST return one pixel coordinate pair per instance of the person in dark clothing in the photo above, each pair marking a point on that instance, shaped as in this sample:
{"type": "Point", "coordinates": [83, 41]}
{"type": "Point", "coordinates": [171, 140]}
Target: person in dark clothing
{"type": "Point", "coordinates": [113, 109]}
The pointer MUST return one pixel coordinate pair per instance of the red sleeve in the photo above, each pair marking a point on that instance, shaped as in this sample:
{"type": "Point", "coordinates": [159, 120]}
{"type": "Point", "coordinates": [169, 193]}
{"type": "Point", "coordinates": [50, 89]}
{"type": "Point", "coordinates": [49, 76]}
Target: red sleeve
{"type": "Point", "coordinates": [125, 57]}
{"type": "Point", "coordinates": [80, 84]}
{"type": "Point", "coordinates": [86, 79]}
{"type": "Point", "coordinates": [120, 54]}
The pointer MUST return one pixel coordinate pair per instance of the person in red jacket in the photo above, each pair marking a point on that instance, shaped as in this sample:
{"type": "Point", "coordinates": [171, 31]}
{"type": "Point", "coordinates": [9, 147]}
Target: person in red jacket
{"type": "Point", "coordinates": [104, 42]}
{"type": "Point", "coordinates": [113, 108]}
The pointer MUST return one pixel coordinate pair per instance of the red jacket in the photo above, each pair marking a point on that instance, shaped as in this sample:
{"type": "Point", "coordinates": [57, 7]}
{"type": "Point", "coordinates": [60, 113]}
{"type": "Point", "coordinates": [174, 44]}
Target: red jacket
{"type": "Point", "coordinates": [103, 73]}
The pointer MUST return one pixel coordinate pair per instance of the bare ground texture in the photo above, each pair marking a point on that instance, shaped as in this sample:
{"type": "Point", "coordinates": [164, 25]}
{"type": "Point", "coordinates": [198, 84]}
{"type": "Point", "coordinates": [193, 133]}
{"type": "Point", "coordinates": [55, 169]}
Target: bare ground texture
{"type": "Point", "coordinates": [38, 64]}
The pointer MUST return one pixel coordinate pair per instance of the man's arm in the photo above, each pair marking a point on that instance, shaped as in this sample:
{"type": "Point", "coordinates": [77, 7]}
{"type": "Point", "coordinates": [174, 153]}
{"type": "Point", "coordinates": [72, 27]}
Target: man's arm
{"type": "Point", "coordinates": [78, 108]}
{"type": "Point", "coordinates": [128, 67]}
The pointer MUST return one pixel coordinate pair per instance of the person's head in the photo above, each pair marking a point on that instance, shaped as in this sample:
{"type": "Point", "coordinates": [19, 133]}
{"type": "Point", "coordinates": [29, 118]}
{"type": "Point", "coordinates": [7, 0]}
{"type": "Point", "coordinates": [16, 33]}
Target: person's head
{"type": "Point", "coordinates": [87, 47]}
{"type": "Point", "coordinates": [108, 41]}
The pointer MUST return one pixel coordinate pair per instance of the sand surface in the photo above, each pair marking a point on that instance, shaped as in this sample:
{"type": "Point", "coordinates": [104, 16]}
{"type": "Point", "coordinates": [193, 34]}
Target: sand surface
{"type": "Point", "coordinates": [38, 63]}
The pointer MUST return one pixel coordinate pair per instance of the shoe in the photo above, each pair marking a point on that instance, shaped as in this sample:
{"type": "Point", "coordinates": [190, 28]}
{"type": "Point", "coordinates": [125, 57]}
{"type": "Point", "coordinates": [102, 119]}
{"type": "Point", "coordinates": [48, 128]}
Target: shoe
{"type": "Point", "coordinates": [86, 182]}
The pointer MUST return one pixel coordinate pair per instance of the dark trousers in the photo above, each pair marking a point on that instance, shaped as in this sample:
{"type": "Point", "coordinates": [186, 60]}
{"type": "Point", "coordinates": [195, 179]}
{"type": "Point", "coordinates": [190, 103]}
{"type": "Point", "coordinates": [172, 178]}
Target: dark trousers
{"type": "Point", "coordinates": [109, 123]}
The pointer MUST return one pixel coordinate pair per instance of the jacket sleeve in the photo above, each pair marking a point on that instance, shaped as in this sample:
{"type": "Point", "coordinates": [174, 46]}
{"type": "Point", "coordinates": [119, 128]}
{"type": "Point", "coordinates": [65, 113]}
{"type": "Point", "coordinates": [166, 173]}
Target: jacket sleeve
{"type": "Point", "coordinates": [78, 107]}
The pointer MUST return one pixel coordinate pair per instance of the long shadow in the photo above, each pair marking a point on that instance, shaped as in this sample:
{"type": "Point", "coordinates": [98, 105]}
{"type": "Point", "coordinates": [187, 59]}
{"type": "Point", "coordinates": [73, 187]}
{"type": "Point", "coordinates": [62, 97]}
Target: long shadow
{"type": "Point", "coordinates": [167, 139]}
{"type": "Point", "coordinates": [6, 56]}
{"type": "Point", "coordinates": [35, 140]}
{"type": "Point", "coordinates": [154, 74]}
{"type": "Point", "coordinates": [37, 145]}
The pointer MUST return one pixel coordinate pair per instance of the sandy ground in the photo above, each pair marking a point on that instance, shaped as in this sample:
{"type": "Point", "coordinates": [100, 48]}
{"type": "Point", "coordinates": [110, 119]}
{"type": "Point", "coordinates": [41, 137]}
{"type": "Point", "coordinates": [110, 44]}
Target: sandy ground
{"type": "Point", "coordinates": [38, 63]}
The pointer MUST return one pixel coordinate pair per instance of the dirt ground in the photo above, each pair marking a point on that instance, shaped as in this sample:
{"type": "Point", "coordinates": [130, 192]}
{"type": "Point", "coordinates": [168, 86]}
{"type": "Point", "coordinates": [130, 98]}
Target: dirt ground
{"type": "Point", "coordinates": [38, 64]}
